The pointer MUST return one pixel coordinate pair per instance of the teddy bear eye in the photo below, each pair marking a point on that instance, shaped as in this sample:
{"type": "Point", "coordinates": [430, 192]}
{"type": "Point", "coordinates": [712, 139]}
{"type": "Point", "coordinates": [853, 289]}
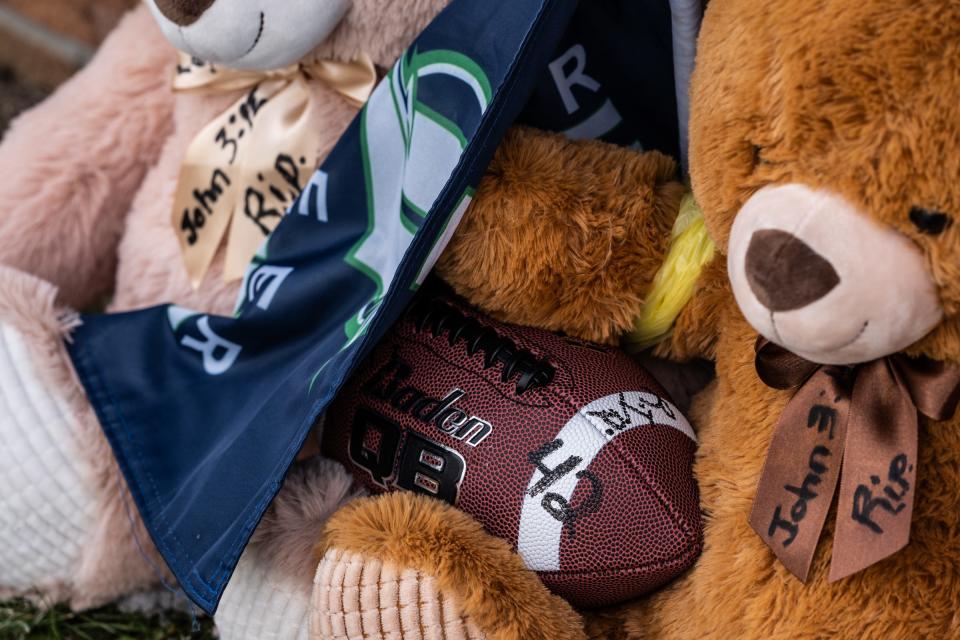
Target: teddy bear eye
{"type": "Point", "coordinates": [929, 221]}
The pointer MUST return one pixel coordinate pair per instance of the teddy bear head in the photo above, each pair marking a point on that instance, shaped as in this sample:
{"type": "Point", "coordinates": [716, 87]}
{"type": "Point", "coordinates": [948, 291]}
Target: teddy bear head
{"type": "Point", "coordinates": [270, 34]}
{"type": "Point", "coordinates": [825, 152]}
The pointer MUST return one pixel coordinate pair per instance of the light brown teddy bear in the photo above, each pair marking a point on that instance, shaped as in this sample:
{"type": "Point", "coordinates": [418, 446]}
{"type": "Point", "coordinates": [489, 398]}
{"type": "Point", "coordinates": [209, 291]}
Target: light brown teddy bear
{"type": "Point", "coordinates": [824, 154]}
{"type": "Point", "coordinates": [825, 145]}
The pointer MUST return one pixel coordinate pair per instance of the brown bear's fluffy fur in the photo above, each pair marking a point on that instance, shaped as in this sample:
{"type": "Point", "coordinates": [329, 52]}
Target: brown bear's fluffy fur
{"type": "Point", "coordinates": [565, 236]}
{"type": "Point", "coordinates": [860, 98]}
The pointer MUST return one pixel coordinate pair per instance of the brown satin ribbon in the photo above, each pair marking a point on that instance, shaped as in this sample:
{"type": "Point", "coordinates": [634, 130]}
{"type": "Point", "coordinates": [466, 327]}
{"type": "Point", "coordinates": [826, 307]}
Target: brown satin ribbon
{"type": "Point", "coordinates": [863, 418]}
{"type": "Point", "coordinates": [244, 169]}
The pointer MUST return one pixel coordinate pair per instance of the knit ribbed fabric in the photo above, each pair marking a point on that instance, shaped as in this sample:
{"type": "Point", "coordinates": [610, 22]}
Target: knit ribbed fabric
{"type": "Point", "coordinates": [356, 598]}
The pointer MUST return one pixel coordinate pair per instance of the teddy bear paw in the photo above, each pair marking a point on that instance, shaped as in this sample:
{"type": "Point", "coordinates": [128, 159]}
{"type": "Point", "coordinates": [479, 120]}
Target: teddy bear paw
{"type": "Point", "coordinates": [359, 597]}
{"type": "Point", "coordinates": [404, 565]}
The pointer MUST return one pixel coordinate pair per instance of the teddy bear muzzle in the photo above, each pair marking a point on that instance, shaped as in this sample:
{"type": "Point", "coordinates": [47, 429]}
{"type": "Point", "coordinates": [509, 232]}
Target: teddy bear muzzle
{"type": "Point", "coordinates": [815, 275]}
{"type": "Point", "coordinates": [248, 34]}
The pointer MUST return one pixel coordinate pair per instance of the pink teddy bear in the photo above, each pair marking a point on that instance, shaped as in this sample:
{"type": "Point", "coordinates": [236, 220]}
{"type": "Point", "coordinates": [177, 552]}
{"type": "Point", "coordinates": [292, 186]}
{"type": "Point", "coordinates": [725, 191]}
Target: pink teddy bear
{"type": "Point", "coordinates": [89, 188]}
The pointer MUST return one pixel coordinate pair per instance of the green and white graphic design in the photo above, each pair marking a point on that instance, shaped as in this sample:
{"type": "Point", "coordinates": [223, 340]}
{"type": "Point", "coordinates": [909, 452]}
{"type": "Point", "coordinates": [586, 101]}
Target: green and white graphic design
{"type": "Point", "coordinates": [409, 153]}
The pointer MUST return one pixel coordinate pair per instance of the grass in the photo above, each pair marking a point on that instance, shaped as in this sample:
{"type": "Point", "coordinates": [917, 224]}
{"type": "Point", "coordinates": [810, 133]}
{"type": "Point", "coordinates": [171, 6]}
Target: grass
{"type": "Point", "coordinates": [21, 621]}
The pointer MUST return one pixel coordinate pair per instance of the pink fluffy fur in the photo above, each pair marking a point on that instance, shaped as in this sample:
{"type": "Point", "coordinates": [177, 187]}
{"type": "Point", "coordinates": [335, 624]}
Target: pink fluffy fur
{"type": "Point", "coordinates": [88, 183]}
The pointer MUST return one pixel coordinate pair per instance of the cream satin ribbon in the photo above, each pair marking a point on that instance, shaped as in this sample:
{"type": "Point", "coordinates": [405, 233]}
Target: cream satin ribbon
{"type": "Point", "coordinates": [244, 169]}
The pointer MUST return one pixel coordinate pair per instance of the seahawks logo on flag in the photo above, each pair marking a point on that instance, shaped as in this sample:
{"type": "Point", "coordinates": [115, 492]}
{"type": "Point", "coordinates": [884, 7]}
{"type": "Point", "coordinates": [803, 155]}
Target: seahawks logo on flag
{"type": "Point", "coordinates": [415, 148]}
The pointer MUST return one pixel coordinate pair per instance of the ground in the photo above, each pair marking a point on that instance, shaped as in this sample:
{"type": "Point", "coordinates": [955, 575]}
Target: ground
{"type": "Point", "coordinates": [21, 621]}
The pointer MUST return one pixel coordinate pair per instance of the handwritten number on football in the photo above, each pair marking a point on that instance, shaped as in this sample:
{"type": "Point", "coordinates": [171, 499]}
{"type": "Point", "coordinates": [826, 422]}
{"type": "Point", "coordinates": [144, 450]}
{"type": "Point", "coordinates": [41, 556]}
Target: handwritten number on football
{"type": "Point", "coordinates": [554, 503]}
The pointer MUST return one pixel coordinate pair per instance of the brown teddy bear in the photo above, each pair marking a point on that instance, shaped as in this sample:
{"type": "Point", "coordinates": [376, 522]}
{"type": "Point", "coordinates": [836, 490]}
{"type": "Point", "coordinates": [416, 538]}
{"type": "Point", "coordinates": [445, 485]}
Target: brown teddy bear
{"type": "Point", "coordinates": [836, 126]}
{"type": "Point", "coordinates": [825, 138]}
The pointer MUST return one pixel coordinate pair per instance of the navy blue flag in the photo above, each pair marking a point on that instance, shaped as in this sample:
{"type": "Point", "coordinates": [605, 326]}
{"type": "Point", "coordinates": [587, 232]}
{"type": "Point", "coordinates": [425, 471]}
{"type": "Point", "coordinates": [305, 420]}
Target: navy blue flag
{"type": "Point", "coordinates": [621, 73]}
{"type": "Point", "coordinates": [206, 413]}
{"type": "Point", "coordinates": [612, 78]}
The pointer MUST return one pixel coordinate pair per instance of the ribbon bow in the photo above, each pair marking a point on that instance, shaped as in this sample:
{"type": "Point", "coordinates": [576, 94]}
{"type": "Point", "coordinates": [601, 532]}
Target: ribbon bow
{"type": "Point", "coordinates": [244, 169]}
{"type": "Point", "coordinates": [865, 417]}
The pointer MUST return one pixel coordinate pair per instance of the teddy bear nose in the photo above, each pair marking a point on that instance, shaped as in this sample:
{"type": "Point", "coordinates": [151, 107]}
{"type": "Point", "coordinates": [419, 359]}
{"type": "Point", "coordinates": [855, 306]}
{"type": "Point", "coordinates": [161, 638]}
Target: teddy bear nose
{"type": "Point", "coordinates": [785, 273]}
{"type": "Point", "coordinates": [183, 12]}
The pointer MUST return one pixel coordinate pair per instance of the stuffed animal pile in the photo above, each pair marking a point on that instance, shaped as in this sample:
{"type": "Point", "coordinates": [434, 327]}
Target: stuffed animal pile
{"type": "Point", "coordinates": [821, 156]}
{"type": "Point", "coordinates": [819, 271]}
{"type": "Point", "coordinates": [91, 178]}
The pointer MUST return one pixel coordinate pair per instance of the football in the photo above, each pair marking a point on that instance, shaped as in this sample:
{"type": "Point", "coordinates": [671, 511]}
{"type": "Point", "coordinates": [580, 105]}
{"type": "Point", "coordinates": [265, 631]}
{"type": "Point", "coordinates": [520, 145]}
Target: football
{"type": "Point", "coordinates": [568, 450]}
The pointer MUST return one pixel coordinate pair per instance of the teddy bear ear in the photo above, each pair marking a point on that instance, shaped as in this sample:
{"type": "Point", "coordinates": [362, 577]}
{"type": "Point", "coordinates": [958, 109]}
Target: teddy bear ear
{"type": "Point", "coordinates": [406, 565]}
{"type": "Point", "coordinates": [247, 34]}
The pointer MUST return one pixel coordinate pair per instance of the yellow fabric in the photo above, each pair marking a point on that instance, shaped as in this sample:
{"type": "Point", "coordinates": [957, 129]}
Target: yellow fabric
{"type": "Point", "coordinates": [690, 250]}
{"type": "Point", "coordinates": [244, 169]}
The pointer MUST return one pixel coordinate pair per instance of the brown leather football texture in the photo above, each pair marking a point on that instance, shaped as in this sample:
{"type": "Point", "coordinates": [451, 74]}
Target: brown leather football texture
{"type": "Point", "coordinates": [568, 450]}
